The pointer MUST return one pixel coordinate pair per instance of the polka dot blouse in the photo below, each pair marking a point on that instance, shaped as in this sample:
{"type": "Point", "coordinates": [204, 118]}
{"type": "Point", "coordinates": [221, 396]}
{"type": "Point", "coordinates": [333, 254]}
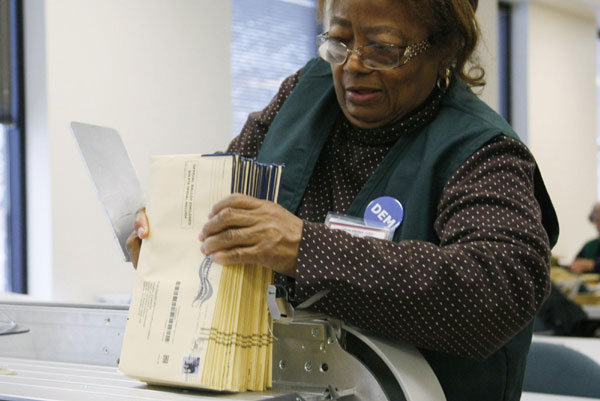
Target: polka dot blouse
{"type": "Point", "coordinates": [467, 295]}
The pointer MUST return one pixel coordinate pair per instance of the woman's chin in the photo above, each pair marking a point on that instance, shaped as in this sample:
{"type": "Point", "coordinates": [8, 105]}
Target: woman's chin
{"type": "Point", "coordinates": [366, 120]}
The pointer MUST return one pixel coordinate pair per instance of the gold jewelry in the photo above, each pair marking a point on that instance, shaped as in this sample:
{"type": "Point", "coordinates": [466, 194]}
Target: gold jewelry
{"type": "Point", "coordinates": [444, 83]}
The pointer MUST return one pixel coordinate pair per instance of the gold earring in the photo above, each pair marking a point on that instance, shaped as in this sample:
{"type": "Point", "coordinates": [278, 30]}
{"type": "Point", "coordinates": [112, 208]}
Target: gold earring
{"type": "Point", "coordinates": [444, 83]}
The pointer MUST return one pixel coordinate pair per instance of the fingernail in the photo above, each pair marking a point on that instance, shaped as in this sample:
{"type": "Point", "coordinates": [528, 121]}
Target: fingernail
{"type": "Point", "coordinates": [203, 250]}
{"type": "Point", "coordinates": [210, 215]}
{"type": "Point", "coordinates": [141, 231]}
{"type": "Point", "coordinates": [201, 237]}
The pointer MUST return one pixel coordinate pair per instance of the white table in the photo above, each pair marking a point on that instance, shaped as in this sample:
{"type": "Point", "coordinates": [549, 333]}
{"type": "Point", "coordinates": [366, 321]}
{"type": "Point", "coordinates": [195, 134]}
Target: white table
{"type": "Point", "coordinates": [593, 311]}
{"type": "Point", "coordinates": [36, 380]}
{"type": "Point", "coordinates": [43, 380]}
{"type": "Point", "coordinates": [552, 397]}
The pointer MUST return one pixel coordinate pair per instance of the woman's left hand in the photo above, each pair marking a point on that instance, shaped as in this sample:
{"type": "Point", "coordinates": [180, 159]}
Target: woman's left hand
{"type": "Point", "coordinates": [242, 229]}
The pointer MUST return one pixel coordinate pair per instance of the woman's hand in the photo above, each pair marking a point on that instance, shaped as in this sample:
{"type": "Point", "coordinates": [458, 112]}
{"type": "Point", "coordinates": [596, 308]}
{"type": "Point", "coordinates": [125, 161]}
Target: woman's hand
{"type": "Point", "coordinates": [581, 265]}
{"type": "Point", "coordinates": [141, 230]}
{"type": "Point", "coordinates": [242, 229]}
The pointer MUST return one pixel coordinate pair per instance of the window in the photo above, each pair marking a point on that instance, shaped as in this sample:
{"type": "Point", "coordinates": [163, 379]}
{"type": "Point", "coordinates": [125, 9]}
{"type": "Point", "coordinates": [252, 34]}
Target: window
{"type": "Point", "coordinates": [12, 233]}
{"type": "Point", "coordinates": [271, 39]}
{"type": "Point", "coordinates": [598, 110]}
{"type": "Point", "coordinates": [5, 278]}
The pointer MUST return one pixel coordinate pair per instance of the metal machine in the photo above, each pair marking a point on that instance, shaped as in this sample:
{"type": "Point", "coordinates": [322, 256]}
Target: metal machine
{"type": "Point", "coordinates": [71, 352]}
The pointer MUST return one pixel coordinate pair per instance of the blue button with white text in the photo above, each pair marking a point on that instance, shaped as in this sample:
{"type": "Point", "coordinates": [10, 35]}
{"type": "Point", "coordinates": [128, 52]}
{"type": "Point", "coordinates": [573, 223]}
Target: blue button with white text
{"type": "Point", "coordinates": [386, 211]}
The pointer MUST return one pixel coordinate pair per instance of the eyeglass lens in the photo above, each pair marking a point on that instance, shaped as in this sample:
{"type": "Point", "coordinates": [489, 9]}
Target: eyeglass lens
{"type": "Point", "coordinates": [373, 56]}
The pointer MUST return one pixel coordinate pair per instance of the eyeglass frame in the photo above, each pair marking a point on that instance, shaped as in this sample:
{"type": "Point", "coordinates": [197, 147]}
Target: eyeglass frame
{"type": "Point", "coordinates": [410, 51]}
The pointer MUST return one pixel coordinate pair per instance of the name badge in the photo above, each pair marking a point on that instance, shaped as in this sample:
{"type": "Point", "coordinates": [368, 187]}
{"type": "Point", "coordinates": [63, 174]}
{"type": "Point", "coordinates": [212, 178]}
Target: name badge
{"type": "Point", "coordinates": [357, 227]}
{"type": "Point", "coordinates": [385, 211]}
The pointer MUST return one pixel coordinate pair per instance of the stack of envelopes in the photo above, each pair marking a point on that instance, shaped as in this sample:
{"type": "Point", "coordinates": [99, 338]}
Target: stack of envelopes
{"type": "Point", "coordinates": [193, 322]}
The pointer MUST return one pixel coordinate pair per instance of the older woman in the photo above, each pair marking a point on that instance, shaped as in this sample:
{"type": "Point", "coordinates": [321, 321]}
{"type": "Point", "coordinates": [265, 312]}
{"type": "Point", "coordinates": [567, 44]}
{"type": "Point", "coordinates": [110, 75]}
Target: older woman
{"type": "Point", "coordinates": [388, 111]}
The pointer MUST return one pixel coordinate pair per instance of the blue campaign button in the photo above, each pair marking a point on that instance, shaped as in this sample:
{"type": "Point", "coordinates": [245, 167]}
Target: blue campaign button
{"type": "Point", "coordinates": [386, 211]}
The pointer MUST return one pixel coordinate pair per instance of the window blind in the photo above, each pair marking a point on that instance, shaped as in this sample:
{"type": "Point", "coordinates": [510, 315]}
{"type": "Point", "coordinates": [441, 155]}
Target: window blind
{"type": "Point", "coordinates": [271, 39]}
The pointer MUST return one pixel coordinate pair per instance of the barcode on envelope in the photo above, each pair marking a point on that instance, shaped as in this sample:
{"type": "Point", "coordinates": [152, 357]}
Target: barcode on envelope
{"type": "Point", "coordinates": [172, 311]}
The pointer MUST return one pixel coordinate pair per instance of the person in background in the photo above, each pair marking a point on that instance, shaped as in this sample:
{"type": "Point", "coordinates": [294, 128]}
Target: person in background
{"type": "Point", "coordinates": [387, 111]}
{"type": "Point", "coordinates": [588, 259]}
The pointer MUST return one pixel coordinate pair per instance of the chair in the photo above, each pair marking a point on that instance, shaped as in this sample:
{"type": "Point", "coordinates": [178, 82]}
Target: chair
{"type": "Point", "coordinates": [556, 369]}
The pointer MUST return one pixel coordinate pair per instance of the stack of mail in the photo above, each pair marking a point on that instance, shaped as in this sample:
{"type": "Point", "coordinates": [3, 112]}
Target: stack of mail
{"type": "Point", "coordinates": [192, 322]}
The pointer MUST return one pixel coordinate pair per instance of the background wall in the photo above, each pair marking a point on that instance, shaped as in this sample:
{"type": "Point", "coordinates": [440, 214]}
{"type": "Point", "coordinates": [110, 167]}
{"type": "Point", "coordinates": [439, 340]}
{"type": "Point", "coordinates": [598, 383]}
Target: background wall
{"type": "Point", "coordinates": [159, 73]}
{"type": "Point", "coordinates": [156, 71]}
{"type": "Point", "coordinates": [554, 106]}
{"type": "Point", "coordinates": [487, 51]}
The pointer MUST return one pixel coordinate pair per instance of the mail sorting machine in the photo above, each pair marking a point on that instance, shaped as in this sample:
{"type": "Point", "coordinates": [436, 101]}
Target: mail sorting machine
{"type": "Point", "coordinates": [70, 353]}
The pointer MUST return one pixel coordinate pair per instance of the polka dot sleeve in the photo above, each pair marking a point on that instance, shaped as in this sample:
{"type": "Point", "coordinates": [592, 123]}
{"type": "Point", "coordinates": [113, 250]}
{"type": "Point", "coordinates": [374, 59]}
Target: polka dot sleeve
{"type": "Point", "coordinates": [467, 296]}
{"type": "Point", "coordinates": [249, 141]}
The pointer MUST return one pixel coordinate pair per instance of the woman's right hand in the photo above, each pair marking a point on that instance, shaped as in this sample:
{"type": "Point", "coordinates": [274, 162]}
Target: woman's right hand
{"type": "Point", "coordinates": [141, 230]}
{"type": "Point", "coordinates": [582, 265]}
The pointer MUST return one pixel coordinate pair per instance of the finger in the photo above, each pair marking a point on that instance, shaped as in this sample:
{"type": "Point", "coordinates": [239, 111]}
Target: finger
{"type": "Point", "coordinates": [234, 256]}
{"type": "Point", "coordinates": [141, 225]}
{"type": "Point", "coordinates": [133, 244]}
{"type": "Point", "coordinates": [236, 201]}
{"type": "Point", "coordinates": [228, 239]}
{"type": "Point", "coordinates": [227, 218]}
{"type": "Point", "coordinates": [249, 255]}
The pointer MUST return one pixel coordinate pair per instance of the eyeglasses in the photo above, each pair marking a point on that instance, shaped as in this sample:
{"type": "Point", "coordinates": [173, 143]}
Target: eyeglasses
{"type": "Point", "coordinates": [377, 56]}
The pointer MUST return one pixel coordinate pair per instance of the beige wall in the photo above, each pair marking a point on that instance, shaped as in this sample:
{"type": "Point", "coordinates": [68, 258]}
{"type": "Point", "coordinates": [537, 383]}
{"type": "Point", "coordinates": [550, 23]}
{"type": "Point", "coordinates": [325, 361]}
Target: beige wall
{"type": "Point", "coordinates": [555, 105]}
{"type": "Point", "coordinates": [157, 71]}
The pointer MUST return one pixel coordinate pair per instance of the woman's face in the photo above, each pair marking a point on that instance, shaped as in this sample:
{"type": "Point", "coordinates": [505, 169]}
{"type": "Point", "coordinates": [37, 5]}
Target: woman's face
{"type": "Point", "coordinates": [374, 98]}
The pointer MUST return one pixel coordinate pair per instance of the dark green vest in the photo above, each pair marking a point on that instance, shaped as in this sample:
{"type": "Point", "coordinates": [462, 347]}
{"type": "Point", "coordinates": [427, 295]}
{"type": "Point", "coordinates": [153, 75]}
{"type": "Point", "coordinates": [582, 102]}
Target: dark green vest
{"type": "Point", "coordinates": [590, 250]}
{"type": "Point", "coordinates": [414, 171]}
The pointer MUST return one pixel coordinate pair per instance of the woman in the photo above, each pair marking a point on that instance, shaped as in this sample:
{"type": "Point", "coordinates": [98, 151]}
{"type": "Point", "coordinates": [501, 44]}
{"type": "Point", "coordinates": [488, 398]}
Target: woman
{"type": "Point", "coordinates": [388, 112]}
{"type": "Point", "coordinates": [588, 259]}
